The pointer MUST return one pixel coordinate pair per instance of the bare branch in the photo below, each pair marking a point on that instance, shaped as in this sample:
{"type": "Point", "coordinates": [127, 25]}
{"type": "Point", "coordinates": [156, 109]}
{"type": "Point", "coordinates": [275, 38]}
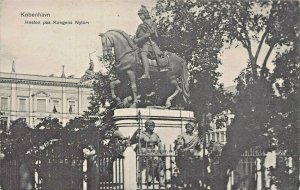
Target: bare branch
{"type": "Point", "coordinates": [260, 44]}
{"type": "Point", "coordinates": [264, 65]}
{"type": "Point", "coordinates": [246, 38]}
{"type": "Point", "coordinates": [272, 12]}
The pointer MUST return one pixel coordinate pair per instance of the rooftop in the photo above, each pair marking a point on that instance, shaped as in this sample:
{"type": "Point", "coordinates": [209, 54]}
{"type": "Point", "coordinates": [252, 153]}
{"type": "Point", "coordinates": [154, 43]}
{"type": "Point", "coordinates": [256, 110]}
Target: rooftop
{"type": "Point", "coordinates": [40, 79]}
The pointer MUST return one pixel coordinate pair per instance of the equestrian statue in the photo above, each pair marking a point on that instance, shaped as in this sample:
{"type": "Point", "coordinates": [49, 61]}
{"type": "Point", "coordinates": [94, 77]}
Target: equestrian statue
{"type": "Point", "coordinates": [129, 54]}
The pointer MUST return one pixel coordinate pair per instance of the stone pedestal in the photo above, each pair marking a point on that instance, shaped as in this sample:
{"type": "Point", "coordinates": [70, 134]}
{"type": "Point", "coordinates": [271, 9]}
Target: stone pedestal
{"type": "Point", "coordinates": [129, 169]}
{"type": "Point", "coordinates": [168, 123]}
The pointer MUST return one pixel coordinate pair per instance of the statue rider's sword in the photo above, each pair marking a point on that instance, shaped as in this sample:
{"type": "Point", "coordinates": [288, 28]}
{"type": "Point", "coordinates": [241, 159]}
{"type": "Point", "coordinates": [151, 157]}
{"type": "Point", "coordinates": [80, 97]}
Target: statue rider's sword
{"type": "Point", "coordinates": [152, 46]}
{"type": "Point", "coordinates": [156, 57]}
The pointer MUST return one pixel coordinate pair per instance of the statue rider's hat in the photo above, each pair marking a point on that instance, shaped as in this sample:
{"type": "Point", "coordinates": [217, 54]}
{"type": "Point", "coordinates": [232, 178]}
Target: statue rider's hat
{"type": "Point", "coordinates": [143, 10]}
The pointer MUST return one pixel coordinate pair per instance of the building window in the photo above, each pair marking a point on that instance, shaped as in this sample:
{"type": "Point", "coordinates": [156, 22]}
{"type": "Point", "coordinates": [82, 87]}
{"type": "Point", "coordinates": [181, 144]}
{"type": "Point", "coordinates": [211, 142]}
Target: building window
{"type": "Point", "coordinates": [22, 104]}
{"type": "Point", "coordinates": [3, 123]}
{"type": "Point", "coordinates": [72, 107]}
{"type": "Point", "coordinates": [213, 137]}
{"type": "Point", "coordinates": [208, 137]}
{"type": "Point", "coordinates": [218, 137]}
{"type": "Point", "coordinates": [55, 106]}
{"type": "Point", "coordinates": [4, 104]}
{"type": "Point", "coordinates": [223, 137]}
{"type": "Point", "coordinates": [41, 105]}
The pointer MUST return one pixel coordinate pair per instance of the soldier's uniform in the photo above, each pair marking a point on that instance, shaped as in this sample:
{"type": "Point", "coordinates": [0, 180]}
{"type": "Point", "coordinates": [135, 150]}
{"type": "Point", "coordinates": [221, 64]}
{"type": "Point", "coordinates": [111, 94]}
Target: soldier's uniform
{"type": "Point", "coordinates": [150, 144]}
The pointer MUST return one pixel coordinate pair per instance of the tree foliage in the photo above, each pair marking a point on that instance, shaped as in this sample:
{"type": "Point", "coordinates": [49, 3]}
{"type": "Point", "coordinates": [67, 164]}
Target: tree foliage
{"type": "Point", "coordinates": [265, 112]}
{"type": "Point", "coordinates": [192, 30]}
{"type": "Point", "coordinates": [56, 152]}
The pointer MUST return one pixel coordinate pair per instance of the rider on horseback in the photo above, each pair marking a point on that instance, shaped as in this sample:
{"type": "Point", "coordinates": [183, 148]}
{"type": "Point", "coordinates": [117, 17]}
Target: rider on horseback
{"type": "Point", "coordinates": [146, 32]}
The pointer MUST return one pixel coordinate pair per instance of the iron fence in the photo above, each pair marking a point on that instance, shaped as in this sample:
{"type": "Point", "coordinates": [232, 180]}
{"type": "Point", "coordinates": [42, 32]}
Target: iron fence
{"type": "Point", "coordinates": [9, 178]}
{"type": "Point", "coordinates": [111, 173]}
{"type": "Point", "coordinates": [165, 169]}
{"type": "Point", "coordinates": [105, 171]}
{"type": "Point", "coordinates": [249, 172]}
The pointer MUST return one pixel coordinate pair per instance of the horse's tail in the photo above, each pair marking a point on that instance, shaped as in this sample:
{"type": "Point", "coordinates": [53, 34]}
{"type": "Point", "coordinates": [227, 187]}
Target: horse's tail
{"type": "Point", "coordinates": [185, 83]}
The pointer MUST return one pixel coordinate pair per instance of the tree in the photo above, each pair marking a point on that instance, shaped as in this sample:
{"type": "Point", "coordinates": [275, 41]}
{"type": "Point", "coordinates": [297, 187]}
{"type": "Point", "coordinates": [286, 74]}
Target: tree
{"type": "Point", "coordinates": [200, 29]}
{"type": "Point", "coordinates": [195, 30]}
{"type": "Point", "coordinates": [269, 23]}
{"type": "Point", "coordinates": [285, 118]}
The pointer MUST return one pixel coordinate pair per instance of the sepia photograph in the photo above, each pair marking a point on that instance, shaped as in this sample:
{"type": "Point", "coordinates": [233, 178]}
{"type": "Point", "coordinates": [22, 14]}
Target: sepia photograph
{"type": "Point", "coordinates": [149, 95]}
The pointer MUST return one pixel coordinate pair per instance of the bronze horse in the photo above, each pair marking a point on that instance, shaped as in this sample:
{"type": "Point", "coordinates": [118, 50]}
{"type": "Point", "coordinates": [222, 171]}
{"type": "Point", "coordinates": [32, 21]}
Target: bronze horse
{"type": "Point", "coordinates": [127, 59]}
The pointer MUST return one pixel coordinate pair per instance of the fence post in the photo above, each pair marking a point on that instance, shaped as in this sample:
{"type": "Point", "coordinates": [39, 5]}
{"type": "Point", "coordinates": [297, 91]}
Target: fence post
{"type": "Point", "coordinates": [269, 161]}
{"type": "Point", "coordinates": [258, 174]}
{"type": "Point", "coordinates": [129, 169]}
{"type": "Point", "coordinates": [36, 175]}
{"type": "Point", "coordinates": [289, 164]}
{"type": "Point", "coordinates": [84, 170]}
{"type": "Point", "coordinates": [230, 180]}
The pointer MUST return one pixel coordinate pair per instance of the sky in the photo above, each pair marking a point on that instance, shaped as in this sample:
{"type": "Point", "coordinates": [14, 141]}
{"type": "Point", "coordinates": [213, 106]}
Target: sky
{"type": "Point", "coordinates": [42, 49]}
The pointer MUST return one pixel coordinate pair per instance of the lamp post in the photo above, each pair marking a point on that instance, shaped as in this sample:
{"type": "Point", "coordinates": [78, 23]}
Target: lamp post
{"type": "Point", "coordinates": [206, 119]}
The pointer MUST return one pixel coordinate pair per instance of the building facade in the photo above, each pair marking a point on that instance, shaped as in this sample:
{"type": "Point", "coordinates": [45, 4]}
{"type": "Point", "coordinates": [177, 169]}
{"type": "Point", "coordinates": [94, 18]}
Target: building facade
{"type": "Point", "coordinates": [34, 97]}
{"type": "Point", "coordinates": [218, 127]}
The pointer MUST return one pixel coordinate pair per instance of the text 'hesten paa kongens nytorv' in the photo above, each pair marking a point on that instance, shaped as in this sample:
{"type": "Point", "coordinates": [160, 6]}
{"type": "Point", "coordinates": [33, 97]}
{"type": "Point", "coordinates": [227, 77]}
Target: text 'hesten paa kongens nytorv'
{"type": "Point", "coordinates": [43, 18]}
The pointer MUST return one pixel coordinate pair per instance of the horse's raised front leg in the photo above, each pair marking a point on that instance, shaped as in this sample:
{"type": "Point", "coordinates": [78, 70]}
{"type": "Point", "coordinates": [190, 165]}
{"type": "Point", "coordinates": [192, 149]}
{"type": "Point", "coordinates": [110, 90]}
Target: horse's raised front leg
{"type": "Point", "coordinates": [131, 75]}
{"type": "Point", "coordinates": [178, 90]}
{"type": "Point", "coordinates": [113, 84]}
